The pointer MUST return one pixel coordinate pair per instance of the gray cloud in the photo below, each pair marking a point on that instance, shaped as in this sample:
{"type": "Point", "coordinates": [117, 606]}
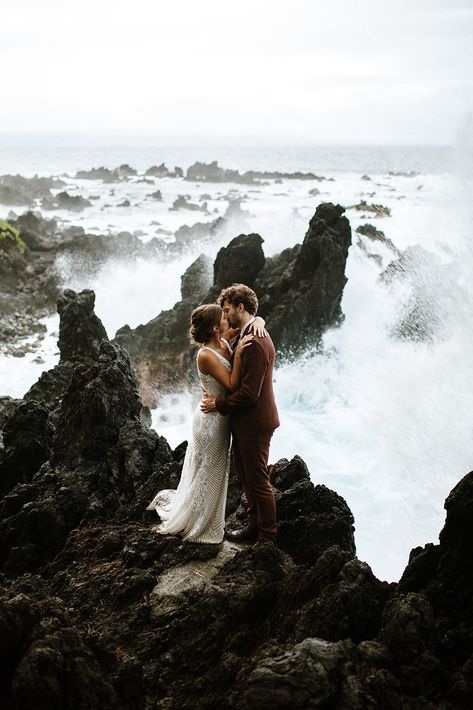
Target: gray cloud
{"type": "Point", "coordinates": [385, 71]}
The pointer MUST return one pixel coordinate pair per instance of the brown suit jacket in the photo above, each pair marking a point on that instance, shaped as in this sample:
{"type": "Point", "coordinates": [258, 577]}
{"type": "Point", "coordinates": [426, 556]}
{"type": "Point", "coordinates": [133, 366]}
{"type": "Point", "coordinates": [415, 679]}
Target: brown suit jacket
{"type": "Point", "coordinates": [252, 408]}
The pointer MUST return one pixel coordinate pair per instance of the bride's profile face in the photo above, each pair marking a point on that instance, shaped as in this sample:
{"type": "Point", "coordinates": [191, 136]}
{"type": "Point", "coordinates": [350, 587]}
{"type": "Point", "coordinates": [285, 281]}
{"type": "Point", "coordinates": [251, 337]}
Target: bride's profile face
{"type": "Point", "coordinates": [224, 325]}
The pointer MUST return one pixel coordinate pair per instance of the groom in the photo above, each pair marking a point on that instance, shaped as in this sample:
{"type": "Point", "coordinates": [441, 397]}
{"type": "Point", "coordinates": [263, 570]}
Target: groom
{"type": "Point", "coordinates": [253, 417]}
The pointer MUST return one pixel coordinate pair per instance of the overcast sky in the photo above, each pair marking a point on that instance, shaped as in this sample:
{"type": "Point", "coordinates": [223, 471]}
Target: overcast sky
{"type": "Point", "coordinates": [292, 71]}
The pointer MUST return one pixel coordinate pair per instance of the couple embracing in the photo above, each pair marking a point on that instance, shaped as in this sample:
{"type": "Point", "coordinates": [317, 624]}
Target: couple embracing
{"type": "Point", "coordinates": [237, 415]}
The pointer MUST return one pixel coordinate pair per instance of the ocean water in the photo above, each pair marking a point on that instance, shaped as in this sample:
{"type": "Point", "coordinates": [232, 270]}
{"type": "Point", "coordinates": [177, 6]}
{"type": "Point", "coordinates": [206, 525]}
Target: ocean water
{"type": "Point", "coordinates": [382, 420]}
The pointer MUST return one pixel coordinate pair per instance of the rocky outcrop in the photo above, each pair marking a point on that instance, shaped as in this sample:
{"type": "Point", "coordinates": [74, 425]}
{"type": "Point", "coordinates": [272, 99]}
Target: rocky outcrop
{"type": "Point", "coordinates": [27, 441]}
{"type": "Point", "coordinates": [375, 210]}
{"type": "Point", "coordinates": [161, 171]}
{"type": "Point", "coordinates": [300, 289]}
{"type": "Point", "coordinates": [97, 610]}
{"type": "Point", "coordinates": [80, 335]}
{"type": "Point", "coordinates": [375, 235]}
{"type": "Point", "coordinates": [182, 203]}
{"type": "Point", "coordinates": [106, 175]}
{"type": "Point", "coordinates": [212, 172]}
{"type": "Point", "coordinates": [65, 201]}
{"type": "Point", "coordinates": [30, 282]}
{"type": "Point", "coordinates": [18, 190]}
{"type": "Point", "coordinates": [299, 292]}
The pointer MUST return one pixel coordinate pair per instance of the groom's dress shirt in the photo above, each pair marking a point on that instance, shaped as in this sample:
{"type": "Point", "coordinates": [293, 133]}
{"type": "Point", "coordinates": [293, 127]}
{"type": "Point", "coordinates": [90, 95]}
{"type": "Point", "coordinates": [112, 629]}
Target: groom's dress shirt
{"type": "Point", "coordinates": [252, 408]}
{"type": "Point", "coordinates": [234, 341]}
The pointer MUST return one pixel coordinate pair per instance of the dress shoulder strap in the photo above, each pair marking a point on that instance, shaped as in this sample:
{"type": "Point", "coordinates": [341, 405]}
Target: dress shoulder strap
{"type": "Point", "coordinates": [222, 359]}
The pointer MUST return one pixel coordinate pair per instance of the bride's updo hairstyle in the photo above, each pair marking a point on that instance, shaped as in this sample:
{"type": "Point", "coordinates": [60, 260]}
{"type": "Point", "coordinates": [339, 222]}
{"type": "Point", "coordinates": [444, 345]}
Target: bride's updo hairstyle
{"type": "Point", "coordinates": [203, 321]}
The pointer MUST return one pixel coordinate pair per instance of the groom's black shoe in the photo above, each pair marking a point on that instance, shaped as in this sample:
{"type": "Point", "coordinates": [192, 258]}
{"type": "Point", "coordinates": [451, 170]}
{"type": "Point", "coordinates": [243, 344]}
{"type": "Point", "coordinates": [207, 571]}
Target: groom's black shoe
{"type": "Point", "coordinates": [242, 535]}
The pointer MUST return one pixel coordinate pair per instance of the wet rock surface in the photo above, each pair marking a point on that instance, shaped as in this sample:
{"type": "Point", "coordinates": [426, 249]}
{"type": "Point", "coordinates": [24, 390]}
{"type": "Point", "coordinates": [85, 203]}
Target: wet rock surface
{"type": "Point", "coordinates": [212, 172]}
{"type": "Point", "coordinates": [301, 288]}
{"type": "Point", "coordinates": [80, 336]}
{"type": "Point", "coordinates": [98, 610]}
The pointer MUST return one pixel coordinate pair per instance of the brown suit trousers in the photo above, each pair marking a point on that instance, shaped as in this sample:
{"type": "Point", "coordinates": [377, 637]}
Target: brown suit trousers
{"type": "Point", "coordinates": [253, 419]}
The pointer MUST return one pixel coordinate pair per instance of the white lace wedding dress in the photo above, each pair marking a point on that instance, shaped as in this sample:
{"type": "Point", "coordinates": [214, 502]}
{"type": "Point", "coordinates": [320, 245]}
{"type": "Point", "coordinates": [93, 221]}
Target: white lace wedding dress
{"type": "Point", "coordinates": [196, 510]}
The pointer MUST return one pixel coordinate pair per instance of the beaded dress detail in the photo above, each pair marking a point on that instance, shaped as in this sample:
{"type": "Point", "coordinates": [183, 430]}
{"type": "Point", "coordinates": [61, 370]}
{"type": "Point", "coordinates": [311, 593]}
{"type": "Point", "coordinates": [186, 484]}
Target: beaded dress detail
{"type": "Point", "coordinates": [196, 510]}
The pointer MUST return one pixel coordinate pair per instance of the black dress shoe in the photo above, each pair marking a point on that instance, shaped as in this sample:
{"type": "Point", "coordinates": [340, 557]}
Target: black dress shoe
{"type": "Point", "coordinates": [242, 535]}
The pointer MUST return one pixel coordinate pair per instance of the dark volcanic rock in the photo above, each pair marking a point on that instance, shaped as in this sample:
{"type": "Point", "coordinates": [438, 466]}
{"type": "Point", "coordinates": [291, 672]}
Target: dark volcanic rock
{"type": "Point", "coordinates": [182, 203]}
{"type": "Point", "coordinates": [300, 290]}
{"type": "Point", "coordinates": [8, 405]}
{"type": "Point", "coordinates": [161, 171]}
{"type": "Point", "coordinates": [107, 175]}
{"type": "Point", "coordinates": [18, 190]}
{"type": "Point", "coordinates": [47, 662]}
{"type": "Point", "coordinates": [376, 210]}
{"type": "Point", "coordinates": [101, 461]}
{"type": "Point", "coordinates": [80, 330]}
{"type": "Point", "coordinates": [27, 270]}
{"type": "Point", "coordinates": [212, 172]}
{"type": "Point", "coordinates": [116, 612]}
{"type": "Point", "coordinates": [455, 565]}
{"type": "Point", "coordinates": [311, 518]}
{"type": "Point", "coordinates": [64, 201]}
{"type": "Point", "coordinates": [375, 235]}
{"type": "Point", "coordinates": [80, 335]}
{"type": "Point", "coordinates": [239, 262]}
{"type": "Point", "coordinates": [100, 399]}
{"type": "Point", "coordinates": [27, 440]}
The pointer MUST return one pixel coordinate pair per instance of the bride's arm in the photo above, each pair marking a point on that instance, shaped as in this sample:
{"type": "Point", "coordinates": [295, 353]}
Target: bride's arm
{"type": "Point", "coordinates": [209, 364]}
{"type": "Point", "coordinates": [258, 327]}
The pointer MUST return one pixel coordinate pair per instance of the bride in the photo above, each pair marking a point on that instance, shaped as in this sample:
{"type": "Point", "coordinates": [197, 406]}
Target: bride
{"type": "Point", "coordinates": [196, 510]}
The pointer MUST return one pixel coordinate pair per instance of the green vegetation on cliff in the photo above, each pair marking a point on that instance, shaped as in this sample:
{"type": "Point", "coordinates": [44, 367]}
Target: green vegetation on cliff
{"type": "Point", "coordinates": [10, 234]}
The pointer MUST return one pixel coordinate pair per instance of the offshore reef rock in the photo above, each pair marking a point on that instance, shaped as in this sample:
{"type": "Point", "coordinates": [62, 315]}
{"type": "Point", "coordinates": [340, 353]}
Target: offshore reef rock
{"type": "Point", "coordinates": [300, 290]}
{"type": "Point", "coordinates": [107, 175]}
{"type": "Point", "coordinates": [27, 439]}
{"type": "Point", "coordinates": [212, 172]}
{"type": "Point", "coordinates": [161, 171]}
{"type": "Point", "coordinates": [18, 190]}
{"type": "Point", "coordinates": [65, 201]}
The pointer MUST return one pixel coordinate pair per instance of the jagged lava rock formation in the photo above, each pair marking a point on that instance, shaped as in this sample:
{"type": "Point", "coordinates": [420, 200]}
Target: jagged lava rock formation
{"type": "Point", "coordinates": [98, 610]}
{"type": "Point", "coordinates": [299, 291]}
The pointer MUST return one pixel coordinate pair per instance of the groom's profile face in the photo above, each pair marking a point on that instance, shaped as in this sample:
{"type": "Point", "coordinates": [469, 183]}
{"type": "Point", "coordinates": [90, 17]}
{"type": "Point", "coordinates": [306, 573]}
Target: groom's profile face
{"type": "Point", "coordinates": [232, 314]}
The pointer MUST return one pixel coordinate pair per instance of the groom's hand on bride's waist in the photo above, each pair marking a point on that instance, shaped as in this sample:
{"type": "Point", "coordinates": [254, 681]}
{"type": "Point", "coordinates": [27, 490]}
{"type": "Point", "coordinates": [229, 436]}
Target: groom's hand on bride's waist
{"type": "Point", "coordinates": [207, 403]}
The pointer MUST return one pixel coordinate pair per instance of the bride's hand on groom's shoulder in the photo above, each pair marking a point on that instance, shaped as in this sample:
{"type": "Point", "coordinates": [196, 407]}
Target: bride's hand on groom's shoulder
{"type": "Point", "coordinates": [257, 327]}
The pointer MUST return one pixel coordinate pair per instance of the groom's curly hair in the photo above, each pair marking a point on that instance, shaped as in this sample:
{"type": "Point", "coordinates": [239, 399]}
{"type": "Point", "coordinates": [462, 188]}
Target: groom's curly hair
{"type": "Point", "coordinates": [239, 293]}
